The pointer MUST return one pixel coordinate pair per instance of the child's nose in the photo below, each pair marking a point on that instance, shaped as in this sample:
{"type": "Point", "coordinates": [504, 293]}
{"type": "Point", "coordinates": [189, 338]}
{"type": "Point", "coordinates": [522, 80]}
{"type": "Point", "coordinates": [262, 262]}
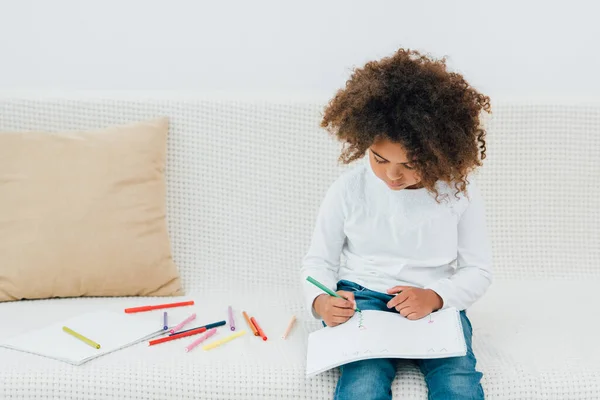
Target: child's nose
{"type": "Point", "coordinates": [393, 174]}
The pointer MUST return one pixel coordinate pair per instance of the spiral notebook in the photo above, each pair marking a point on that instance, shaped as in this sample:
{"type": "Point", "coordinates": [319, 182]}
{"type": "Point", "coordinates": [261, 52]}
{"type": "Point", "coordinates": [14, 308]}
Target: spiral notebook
{"type": "Point", "coordinates": [111, 330]}
{"type": "Point", "coordinates": [381, 334]}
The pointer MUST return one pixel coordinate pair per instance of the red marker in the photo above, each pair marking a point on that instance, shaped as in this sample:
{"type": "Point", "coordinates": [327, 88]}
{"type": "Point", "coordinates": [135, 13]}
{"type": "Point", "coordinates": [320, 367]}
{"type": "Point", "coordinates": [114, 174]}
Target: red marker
{"type": "Point", "coordinates": [258, 328]}
{"type": "Point", "coordinates": [158, 307]}
{"type": "Point", "coordinates": [177, 336]}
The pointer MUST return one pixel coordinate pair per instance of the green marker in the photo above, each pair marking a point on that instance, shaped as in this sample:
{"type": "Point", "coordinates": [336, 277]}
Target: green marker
{"type": "Point", "coordinates": [326, 289]}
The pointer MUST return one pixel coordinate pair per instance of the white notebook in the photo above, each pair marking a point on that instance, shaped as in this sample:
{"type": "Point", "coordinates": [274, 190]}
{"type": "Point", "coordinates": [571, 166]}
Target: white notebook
{"type": "Point", "coordinates": [112, 330]}
{"type": "Point", "coordinates": [385, 335]}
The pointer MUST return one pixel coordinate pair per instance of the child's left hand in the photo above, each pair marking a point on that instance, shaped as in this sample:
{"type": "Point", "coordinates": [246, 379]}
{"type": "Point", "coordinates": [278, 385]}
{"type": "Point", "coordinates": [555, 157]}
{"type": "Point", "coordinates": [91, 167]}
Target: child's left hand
{"type": "Point", "coordinates": [414, 303]}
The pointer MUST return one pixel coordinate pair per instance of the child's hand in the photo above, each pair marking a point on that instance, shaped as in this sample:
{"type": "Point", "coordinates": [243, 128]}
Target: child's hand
{"type": "Point", "coordinates": [414, 303]}
{"type": "Point", "coordinates": [333, 310]}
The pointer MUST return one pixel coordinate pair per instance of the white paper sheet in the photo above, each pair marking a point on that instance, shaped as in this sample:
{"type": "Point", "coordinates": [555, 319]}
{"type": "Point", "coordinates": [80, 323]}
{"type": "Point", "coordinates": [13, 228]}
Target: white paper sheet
{"type": "Point", "coordinates": [385, 335]}
{"type": "Point", "coordinates": [113, 331]}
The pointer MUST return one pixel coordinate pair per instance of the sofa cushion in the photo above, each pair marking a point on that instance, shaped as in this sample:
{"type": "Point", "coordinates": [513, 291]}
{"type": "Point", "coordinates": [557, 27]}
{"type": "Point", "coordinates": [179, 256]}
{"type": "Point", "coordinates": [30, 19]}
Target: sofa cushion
{"type": "Point", "coordinates": [82, 213]}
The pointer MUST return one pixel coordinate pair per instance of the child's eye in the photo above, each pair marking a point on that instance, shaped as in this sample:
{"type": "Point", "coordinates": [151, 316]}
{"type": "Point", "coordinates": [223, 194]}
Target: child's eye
{"type": "Point", "coordinates": [409, 166]}
{"type": "Point", "coordinates": [378, 161]}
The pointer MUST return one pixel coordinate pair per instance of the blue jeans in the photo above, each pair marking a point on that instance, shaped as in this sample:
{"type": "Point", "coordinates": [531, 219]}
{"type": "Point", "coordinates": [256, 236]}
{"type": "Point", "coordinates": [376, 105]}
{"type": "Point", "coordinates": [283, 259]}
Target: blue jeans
{"type": "Point", "coordinates": [451, 378]}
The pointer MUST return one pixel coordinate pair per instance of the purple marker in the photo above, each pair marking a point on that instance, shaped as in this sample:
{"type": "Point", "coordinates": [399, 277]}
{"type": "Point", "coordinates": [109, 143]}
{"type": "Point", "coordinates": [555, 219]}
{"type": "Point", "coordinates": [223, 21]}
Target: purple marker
{"type": "Point", "coordinates": [165, 325]}
{"type": "Point", "coordinates": [231, 321]}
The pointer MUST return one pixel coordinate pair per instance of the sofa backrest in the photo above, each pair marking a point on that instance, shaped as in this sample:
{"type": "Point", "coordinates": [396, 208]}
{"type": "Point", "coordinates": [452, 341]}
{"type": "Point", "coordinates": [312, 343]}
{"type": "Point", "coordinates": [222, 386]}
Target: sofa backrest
{"type": "Point", "coordinates": [245, 180]}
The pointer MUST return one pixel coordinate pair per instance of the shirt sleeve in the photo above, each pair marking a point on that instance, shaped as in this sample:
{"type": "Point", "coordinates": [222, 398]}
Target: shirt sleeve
{"type": "Point", "coordinates": [473, 274]}
{"type": "Point", "coordinates": [322, 261]}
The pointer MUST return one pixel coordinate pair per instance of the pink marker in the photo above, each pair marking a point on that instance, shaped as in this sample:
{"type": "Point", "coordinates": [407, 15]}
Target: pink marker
{"type": "Point", "coordinates": [200, 339]}
{"type": "Point", "coordinates": [231, 321]}
{"type": "Point", "coordinates": [182, 323]}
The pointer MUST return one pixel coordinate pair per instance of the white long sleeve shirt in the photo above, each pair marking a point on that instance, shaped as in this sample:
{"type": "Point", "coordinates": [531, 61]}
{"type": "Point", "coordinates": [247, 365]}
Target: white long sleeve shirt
{"type": "Point", "coordinates": [380, 238]}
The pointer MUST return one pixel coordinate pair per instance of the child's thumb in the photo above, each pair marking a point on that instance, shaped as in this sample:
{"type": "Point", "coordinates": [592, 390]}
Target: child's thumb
{"type": "Point", "coordinates": [350, 297]}
{"type": "Point", "coordinates": [347, 295]}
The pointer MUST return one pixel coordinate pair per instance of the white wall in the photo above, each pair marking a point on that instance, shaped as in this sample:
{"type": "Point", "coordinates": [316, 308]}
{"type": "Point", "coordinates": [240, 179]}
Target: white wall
{"type": "Point", "coordinates": [505, 48]}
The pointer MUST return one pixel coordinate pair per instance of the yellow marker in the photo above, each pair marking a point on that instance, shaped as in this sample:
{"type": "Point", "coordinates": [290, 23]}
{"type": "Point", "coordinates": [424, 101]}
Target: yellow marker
{"type": "Point", "coordinates": [81, 337]}
{"type": "Point", "coordinates": [224, 340]}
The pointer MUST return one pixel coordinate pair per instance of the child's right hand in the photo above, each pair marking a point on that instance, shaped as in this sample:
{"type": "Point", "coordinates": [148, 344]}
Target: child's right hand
{"type": "Point", "coordinates": [333, 310]}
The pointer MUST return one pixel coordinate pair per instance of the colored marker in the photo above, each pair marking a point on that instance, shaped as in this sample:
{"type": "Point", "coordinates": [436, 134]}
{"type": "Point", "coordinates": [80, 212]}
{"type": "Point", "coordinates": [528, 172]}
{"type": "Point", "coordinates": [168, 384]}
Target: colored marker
{"type": "Point", "coordinates": [326, 289]}
{"type": "Point", "coordinates": [223, 341]}
{"type": "Point", "coordinates": [183, 323]}
{"type": "Point", "coordinates": [289, 327]}
{"type": "Point", "coordinates": [177, 336]}
{"type": "Point", "coordinates": [250, 324]}
{"type": "Point", "coordinates": [231, 321]}
{"type": "Point", "coordinates": [200, 340]}
{"type": "Point", "coordinates": [165, 325]}
{"type": "Point", "coordinates": [81, 337]}
{"type": "Point", "coordinates": [260, 331]}
{"type": "Point", "coordinates": [158, 307]}
{"type": "Point", "coordinates": [208, 326]}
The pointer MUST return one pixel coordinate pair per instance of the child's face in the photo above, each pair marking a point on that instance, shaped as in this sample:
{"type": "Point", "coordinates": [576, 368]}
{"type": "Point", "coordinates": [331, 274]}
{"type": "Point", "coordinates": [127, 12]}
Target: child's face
{"type": "Point", "coordinates": [390, 164]}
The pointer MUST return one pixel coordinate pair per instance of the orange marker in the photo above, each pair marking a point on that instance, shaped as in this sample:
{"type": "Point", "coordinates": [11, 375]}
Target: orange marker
{"type": "Point", "coordinates": [158, 307]}
{"type": "Point", "coordinates": [177, 336]}
{"type": "Point", "coordinates": [260, 331]}
{"type": "Point", "coordinates": [250, 324]}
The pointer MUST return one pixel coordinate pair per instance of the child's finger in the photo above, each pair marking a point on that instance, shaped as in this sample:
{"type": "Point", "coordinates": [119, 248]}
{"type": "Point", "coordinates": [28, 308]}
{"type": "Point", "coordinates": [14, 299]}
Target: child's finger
{"type": "Point", "coordinates": [413, 316]}
{"type": "Point", "coordinates": [416, 315]}
{"type": "Point", "coordinates": [396, 289]}
{"type": "Point", "coordinates": [403, 306]}
{"type": "Point", "coordinates": [339, 320]}
{"type": "Point", "coordinates": [343, 312]}
{"type": "Point", "coordinates": [397, 300]}
{"type": "Point", "coordinates": [347, 295]}
{"type": "Point", "coordinates": [342, 303]}
{"type": "Point", "coordinates": [406, 311]}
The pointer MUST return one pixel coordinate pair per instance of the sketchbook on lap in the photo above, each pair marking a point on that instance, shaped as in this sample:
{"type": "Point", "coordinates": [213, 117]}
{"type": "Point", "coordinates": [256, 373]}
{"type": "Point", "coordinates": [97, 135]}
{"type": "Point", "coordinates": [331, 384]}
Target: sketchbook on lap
{"type": "Point", "coordinates": [111, 330]}
{"type": "Point", "coordinates": [383, 334]}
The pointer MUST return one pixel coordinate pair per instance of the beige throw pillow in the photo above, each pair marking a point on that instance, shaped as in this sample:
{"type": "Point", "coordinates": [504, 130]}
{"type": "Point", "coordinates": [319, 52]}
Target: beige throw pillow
{"type": "Point", "coordinates": [83, 214]}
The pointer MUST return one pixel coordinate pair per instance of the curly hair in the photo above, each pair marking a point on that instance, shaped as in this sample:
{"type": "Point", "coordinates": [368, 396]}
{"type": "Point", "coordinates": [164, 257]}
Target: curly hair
{"type": "Point", "coordinates": [412, 100]}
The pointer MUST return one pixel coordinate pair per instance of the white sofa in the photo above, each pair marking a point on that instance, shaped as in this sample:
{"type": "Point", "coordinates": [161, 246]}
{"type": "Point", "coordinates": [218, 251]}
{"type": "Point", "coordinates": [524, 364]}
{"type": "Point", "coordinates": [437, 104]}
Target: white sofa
{"type": "Point", "coordinates": [245, 179]}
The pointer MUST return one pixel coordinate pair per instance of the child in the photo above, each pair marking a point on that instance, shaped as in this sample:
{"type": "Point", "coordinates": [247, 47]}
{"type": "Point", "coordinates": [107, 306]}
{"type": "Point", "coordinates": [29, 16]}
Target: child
{"type": "Point", "coordinates": [408, 223]}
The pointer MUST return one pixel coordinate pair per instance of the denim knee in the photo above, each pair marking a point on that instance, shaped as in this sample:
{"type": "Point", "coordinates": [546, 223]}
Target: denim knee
{"type": "Point", "coordinates": [366, 379]}
{"type": "Point", "coordinates": [453, 378]}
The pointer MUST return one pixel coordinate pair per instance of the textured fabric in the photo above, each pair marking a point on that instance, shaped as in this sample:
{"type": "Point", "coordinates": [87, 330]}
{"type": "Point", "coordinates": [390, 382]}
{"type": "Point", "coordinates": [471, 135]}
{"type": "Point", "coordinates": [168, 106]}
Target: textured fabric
{"type": "Point", "coordinates": [250, 172]}
{"type": "Point", "coordinates": [245, 180]}
{"type": "Point", "coordinates": [533, 340]}
{"type": "Point", "coordinates": [453, 378]}
{"type": "Point", "coordinates": [419, 242]}
{"type": "Point", "coordinates": [83, 214]}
